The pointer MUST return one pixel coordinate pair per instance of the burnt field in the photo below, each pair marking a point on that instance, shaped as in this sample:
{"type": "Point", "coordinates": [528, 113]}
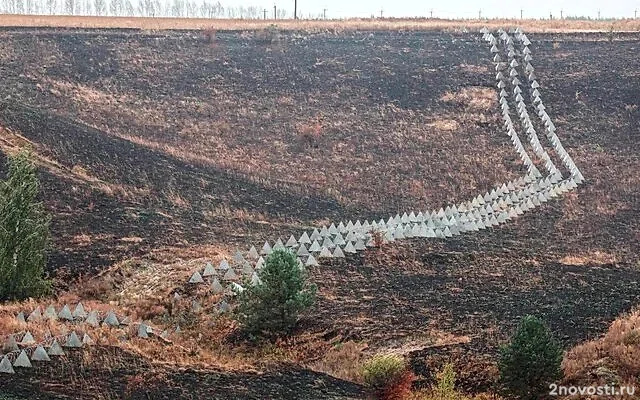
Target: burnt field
{"type": "Point", "coordinates": [158, 143]}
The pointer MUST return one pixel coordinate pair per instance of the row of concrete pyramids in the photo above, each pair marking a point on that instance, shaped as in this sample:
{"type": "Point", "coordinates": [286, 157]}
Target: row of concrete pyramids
{"type": "Point", "coordinates": [503, 81]}
{"type": "Point", "coordinates": [20, 353]}
{"type": "Point", "coordinates": [512, 78]}
{"type": "Point", "coordinates": [15, 356]}
{"type": "Point", "coordinates": [352, 237]}
{"type": "Point", "coordinates": [443, 223]}
{"type": "Point", "coordinates": [500, 205]}
{"type": "Point", "coordinates": [79, 314]}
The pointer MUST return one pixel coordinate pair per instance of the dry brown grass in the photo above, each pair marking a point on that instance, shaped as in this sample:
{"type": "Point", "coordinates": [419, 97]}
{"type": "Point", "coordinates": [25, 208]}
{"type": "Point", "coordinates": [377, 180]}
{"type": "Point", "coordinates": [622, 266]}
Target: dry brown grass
{"type": "Point", "coordinates": [342, 360]}
{"type": "Point", "coordinates": [421, 24]}
{"type": "Point", "coordinates": [593, 258]}
{"type": "Point", "coordinates": [473, 98]}
{"type": "Point", "coordinates": [616, 356]}
{"type": "Point", "coordinates": [446, 125]}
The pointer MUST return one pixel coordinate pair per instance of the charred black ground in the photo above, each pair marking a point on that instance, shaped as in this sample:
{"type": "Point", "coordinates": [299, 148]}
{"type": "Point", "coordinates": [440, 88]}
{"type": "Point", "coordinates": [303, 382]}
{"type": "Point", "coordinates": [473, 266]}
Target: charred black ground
{"type": "Point", "coordinates": [167, 139]}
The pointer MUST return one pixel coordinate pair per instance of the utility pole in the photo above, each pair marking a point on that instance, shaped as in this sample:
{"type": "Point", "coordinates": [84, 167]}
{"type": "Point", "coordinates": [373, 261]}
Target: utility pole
{"type": "Point", "coordinates": [521, 13]}
{"type": "Point", "coordinates": [635, 14]}
{"type": "Point", "coordinates": [598, 14]}
{"type": "Point", "coordinates": [431, 13]}
{"type": "Point", "coordinates": [275, 12]}
{"type": "Point", "coordinates": [295, 9]}
{"type": "Point", "coordinates": [265, 13]}
{"type": "Point", "coordinates": [381, 10]}
{"type": "Point", "coordinates": [324, 13]}
{"type": "Point", "coordinates": [480, 14]}
{"type": "Point", "coordinates": [561, 16]}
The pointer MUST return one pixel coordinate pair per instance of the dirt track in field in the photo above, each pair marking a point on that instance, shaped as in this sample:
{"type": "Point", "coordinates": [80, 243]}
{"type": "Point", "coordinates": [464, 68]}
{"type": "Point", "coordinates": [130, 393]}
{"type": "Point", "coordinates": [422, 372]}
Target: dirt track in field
{"type": "Point", "coordinates": [155, 140]}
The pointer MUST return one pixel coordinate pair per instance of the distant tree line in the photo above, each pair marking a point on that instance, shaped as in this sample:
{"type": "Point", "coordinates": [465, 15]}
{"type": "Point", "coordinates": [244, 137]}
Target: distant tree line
{"type": "Point", "coordinates": [137, 8]}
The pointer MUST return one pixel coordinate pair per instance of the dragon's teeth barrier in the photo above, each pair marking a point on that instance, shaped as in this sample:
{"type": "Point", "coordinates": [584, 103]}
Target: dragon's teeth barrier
{"type": "Point", "coordinates": [518, 89]}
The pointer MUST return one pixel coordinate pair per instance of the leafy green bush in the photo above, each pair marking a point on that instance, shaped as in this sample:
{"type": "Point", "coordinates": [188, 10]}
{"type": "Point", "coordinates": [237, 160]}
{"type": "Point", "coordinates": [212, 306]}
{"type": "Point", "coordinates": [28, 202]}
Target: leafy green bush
{"type": "Point", "coordinates": [388, 376]}
{"type": "Point", "coordinates": [531, 361]}
{"type": "Point", "coordinates": [273, 306]}
{"type": "Point", "coordinates": [381, 370]}
{"type": "Point", "coordinates": [24, 230]}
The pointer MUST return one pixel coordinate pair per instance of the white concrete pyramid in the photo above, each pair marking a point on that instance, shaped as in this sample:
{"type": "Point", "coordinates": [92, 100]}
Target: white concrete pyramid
{"type": "Point", "coordinates": [216, 287]}
{"type": "Point", "coordinates": [260, 263]}
{"type": "Point", "coordinates": [224, 265]}
{"type": "Point", "coordinates": [35, 316]}
{"type": "Point", "coordinates": [40, 354]}
{"type": "Point", "coordinates": [304, 239]}
{"type": "Point", "coordinates": [73, 340]}
{"type": "Point", "coordinates": [86, 339]}
{"type": "Point", "coordinates": [253, 253]}
{"type": "Point", "coordinates": [360, 245]}
{"type": "Point", "coordinates": [92, 319]}
{"type": "Point", "coordinates": [315, 235]}
{"type": "Point", "coordinates": [230, 275]}
{"type": "Point", "coordinates": [22, 360]}
{"type": "Point", "coordinates": [349, 248]}
{"type": "Point", "coordinates": [292, 242]}
{"type": "Point", "coordinates": [398, 233]}
{"type": "Point", "coordinates": [328, 243]}
{"type": "Point", "coordinates": [302, 251]}
{"type": "Point", "coordinates": [5, 366]}
{"type": "Point", "coordinates": [325, 253]}
{"type": "Point", "coordinates": [238, 258]}
{"type": "Point", "coordinates": [55, 349]}
{"type": "Point", "coordinates": [266, 249]}
{"type": "Point", "coordinates": [311, 261]}
{"type": "Point", "coordinates": [333, 229]}
{"type": "Point", "coordinates": [196, 278]}
{"type": "Point", "coordinates": [247, 270]}
{"type": "Point", "coordinates": [65, 313]}
{"type": "Point", "coordinates": [27, 339]}
{"type": "Point", "coordinates": [279, 245]}
{"type": "Point", "coordinates": [315, 246]}
{"type": "Point", "coordinates": [111, 319]}
{"type": "Point", "coordinates": [10, 344]}
{"type": "Point", "coordinates": [338, 253]}
{"type": "Point", "coordinates": [79, 312]}
{"type": "Point", "coordinates": [143, 331]}
{"type": "Point", "coordinates": [20, 318]}
{"type": "Point", "coordinates": [209, 270]}
{"type": "Point", "coordinates": [50, 313]}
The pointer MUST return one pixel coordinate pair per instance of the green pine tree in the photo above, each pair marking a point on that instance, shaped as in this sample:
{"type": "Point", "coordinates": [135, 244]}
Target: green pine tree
{"type": "Point", "coordinates": [273, 306]}
{"type": "Point", "coordinates": [24, 230]}
{"type": "Point", "coordinates": [531, 361]}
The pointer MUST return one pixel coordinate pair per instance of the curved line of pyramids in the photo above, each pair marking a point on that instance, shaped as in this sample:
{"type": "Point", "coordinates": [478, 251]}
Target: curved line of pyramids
{"type": "Point", "coordinates": [512, 79]}
{"type": "Point", "coordinates": [496, 207]}
{"type": "Point", "coordinates": [500, 205]}
{"type": "Point", "coordinates": [526, 58]}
